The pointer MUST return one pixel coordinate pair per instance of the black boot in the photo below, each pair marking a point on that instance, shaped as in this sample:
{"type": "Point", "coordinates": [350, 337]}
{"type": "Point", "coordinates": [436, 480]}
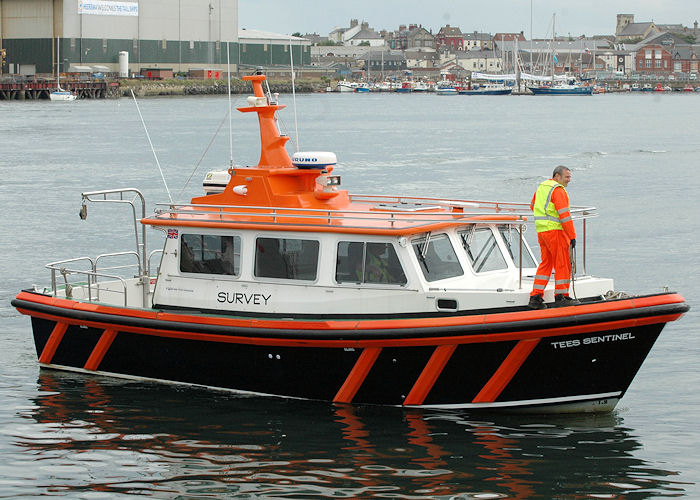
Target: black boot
{"type": "Point", "coordinates": [536, 302]}
{"type": "Point", "coordinates": [565, 300]}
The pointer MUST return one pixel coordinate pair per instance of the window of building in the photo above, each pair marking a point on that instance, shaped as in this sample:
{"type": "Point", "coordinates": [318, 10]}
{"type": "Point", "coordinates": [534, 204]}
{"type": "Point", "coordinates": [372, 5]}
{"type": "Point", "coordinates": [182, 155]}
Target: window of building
{"type": "Point", "coordinates": [657, 63]}
{"type": "Point", "coordinates": [368, 262]}
{"type": "Point", "coordinates": [286, 258]}
{"type": "Point", "coordinates": [164, 44]}
{"type": "Point", "coordinates": [482, 249]}
{"type": "Point", "coordinates": [647, 63]}
{"type": "Point", "coordinates": [210, 254]}
{"type": "Point", "coordinates": [437, 257]}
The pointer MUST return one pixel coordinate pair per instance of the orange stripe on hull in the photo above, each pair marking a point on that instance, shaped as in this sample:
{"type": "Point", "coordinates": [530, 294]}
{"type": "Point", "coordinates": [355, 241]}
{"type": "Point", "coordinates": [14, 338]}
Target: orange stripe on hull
{"type": "Point", "coordinates": [366, 343]}
{"type": "Point", "coordinates": [357, 375]}
{"type": "Point", "coordinates": [430, 374]}
{"type": "Point", "coordinates": [98, 353]}
{"type": "Point", "coordinates": [54, 341]}
{"type": "Point", "coordinates": [506, 371]}
{"type": "Point", "coordinates": [352, 324]}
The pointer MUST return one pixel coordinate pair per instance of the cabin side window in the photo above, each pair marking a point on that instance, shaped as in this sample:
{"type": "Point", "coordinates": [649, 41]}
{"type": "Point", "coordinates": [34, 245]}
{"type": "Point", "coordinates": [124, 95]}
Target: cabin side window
{"type": "Point", "coordinates": [482, 249]}
{"type": "Point", "coordinates": [437, 257]}
{"type": "Point", "coordinates": [210, 254]}
{"type": "Point", "coordinates": [368, 262]}
{"type": "Point", "coordinates": [512, 240]}
{"type": "Point", "coordinates": [286, 258]}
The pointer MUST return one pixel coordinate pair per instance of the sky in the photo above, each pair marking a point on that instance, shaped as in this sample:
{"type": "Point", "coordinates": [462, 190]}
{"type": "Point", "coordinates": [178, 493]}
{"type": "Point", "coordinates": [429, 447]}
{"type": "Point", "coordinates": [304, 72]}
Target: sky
{"type": "Point", "coordinates": [574, 17]}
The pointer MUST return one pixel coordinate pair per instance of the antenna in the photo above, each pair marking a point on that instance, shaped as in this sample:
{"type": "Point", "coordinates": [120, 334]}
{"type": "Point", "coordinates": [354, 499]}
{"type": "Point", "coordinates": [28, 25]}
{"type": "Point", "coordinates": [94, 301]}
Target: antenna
{"type": "Point", "coordinates": [294, 95]}
{"type": "Point", "coordinates": [151, 144]}
{"type": "Point", "coordinates": [230, 126]}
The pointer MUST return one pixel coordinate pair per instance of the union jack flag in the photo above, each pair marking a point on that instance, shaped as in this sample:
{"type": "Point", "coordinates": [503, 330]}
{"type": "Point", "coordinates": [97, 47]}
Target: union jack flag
{"type": "Point", "coordinates": [172, 233]}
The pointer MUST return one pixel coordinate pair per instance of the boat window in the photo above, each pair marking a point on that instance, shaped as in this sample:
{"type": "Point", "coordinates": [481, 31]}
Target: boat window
{"type": "Point", "coordinates": [437, 257]}
{"type": "Point", "coordinates": [366, 262]}
{"type": "Point", "coordinates": [512, 239]}
{"type": "Point", "coordinates": [210, 254]}
{"type": "Point", "coordinates": [286, 258]}
{"type": "Point", "coordinates": [482, 249]}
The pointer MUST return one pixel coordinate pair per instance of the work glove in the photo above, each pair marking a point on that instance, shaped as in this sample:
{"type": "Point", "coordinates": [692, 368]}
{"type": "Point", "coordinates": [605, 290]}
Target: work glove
{"type": "Point", "coordinates": [573, 243]}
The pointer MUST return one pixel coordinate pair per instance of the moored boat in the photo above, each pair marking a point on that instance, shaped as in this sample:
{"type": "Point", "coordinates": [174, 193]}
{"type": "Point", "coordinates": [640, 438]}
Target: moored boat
{"type": "Point", "coordinates": [486, 89]}
{"type": "Point", "coordinates": [571, 88]}
{"type": "Point", "coordinates": [62, 95]}
{"type": "Point", "coordinates": [278, 282]}
{"type": "Point", "coordinates": [404, 88]}
{"type": "Point", "coordinates": [346, 86]}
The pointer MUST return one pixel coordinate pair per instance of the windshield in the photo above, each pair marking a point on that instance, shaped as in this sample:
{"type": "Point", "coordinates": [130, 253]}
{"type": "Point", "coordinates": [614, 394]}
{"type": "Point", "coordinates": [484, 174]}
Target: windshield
{"type": "Point", "coordinates": [512, 240]}
{"type": "Point", "coordinates": [482, 249]}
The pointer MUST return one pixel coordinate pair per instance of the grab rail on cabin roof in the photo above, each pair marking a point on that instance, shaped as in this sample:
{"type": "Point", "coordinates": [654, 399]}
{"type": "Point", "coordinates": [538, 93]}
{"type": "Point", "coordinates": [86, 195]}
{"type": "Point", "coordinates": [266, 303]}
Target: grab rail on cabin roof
{"type": "Point", "coordinates": [407, 211]}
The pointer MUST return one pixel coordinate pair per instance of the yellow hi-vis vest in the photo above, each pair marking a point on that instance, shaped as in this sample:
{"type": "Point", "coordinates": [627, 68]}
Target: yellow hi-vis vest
{"type": "Point", "coordinates": [546, 216]}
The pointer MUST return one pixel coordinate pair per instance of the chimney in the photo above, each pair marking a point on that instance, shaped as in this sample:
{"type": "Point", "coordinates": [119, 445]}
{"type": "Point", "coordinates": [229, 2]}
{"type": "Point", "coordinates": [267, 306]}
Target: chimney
{"type": "Point", "coordinates": [353, 23]}
{"type": "Point", "coordinates": [365, 25]}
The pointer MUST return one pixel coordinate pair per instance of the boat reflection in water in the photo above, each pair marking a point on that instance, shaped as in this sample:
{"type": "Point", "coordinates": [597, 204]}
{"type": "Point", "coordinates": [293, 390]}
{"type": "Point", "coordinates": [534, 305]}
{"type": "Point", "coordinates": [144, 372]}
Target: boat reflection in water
{"type": "Point", "coordinates": [138, 438]}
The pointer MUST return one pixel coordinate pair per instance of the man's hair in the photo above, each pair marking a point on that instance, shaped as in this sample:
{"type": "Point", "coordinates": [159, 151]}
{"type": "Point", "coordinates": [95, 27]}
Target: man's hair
{"type": "Point", "coordinates": [559, 170]}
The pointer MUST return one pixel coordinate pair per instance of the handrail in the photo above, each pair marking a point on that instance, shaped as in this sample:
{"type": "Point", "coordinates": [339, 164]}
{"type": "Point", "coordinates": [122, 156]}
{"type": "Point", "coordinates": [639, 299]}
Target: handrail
{"type": "Point", "coordinates": [325, 215]}
{"type": "Point", "coordinates": [93, 196]}
{"type": "Point", "coordinates": [90, 282]}
{"type": "Point", "coordinates": [434, 211]}
{"type": "Point", "coordinates": [117, 254]}
{"type": "Point", "coordinates": [150, 256]}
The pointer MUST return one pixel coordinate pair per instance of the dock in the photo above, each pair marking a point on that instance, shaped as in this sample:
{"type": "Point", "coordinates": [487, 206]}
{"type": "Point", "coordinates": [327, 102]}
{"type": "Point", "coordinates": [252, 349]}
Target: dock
{"type": "Point", "coordinates": [40, 90]}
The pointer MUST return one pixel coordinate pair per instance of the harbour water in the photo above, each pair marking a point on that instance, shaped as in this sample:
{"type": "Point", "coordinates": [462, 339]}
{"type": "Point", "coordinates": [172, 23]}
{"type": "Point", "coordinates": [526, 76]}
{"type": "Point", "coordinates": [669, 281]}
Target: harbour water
{"type": "Point", "coordinates": [634, 156]}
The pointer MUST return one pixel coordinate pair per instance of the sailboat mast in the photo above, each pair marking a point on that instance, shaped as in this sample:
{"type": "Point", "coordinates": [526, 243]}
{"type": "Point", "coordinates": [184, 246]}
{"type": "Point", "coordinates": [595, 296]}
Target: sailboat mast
{"type": "Point", "coordinates": [58, 63]}
{"type": "Point", "coordinates": [554, 16]}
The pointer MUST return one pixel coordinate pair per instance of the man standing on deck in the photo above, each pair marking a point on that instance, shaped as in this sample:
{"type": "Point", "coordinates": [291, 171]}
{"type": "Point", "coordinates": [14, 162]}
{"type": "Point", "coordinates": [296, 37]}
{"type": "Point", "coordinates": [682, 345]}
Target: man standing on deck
{"type": "Point", "coordinates": [555, 234]}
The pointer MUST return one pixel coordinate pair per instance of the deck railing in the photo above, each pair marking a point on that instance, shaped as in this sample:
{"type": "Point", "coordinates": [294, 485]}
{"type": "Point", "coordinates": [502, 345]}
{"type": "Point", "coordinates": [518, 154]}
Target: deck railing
{"type": "Point", "coordinates": [403, 212]}
{"type": "Point", "coordinates": [91, 276]}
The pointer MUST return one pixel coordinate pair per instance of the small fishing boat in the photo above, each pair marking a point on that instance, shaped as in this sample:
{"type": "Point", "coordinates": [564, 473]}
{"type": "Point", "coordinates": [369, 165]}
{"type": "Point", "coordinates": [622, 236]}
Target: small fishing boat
{"type": "Point", "coordinates": [445, 87]}
{"type": "Point", "coordinates": [346, 86]}
{"type": "Point", "coordinates": [277, 282]}
{"type": "Point", "coordinates": [404, 88]}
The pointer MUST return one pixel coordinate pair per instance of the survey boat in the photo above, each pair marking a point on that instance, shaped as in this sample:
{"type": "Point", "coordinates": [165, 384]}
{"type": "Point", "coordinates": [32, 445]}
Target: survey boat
{"type": "Point", "coordinates": [277, 282]}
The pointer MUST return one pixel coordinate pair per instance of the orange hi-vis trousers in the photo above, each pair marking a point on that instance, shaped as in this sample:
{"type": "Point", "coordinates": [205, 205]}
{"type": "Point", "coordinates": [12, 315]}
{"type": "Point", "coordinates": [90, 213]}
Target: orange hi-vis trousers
{"type": "Point", "coordinates": [554, 248]}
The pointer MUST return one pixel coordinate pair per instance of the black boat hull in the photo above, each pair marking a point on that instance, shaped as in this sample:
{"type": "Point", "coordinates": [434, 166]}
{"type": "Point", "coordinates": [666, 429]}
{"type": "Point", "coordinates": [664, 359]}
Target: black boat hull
{"type": "Point", "coordinates": [568, 363]}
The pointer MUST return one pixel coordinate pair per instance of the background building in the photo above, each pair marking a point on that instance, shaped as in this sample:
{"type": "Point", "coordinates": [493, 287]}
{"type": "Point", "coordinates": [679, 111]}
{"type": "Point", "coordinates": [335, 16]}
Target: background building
{"type": "Point", "coordinates": [173, 34]}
